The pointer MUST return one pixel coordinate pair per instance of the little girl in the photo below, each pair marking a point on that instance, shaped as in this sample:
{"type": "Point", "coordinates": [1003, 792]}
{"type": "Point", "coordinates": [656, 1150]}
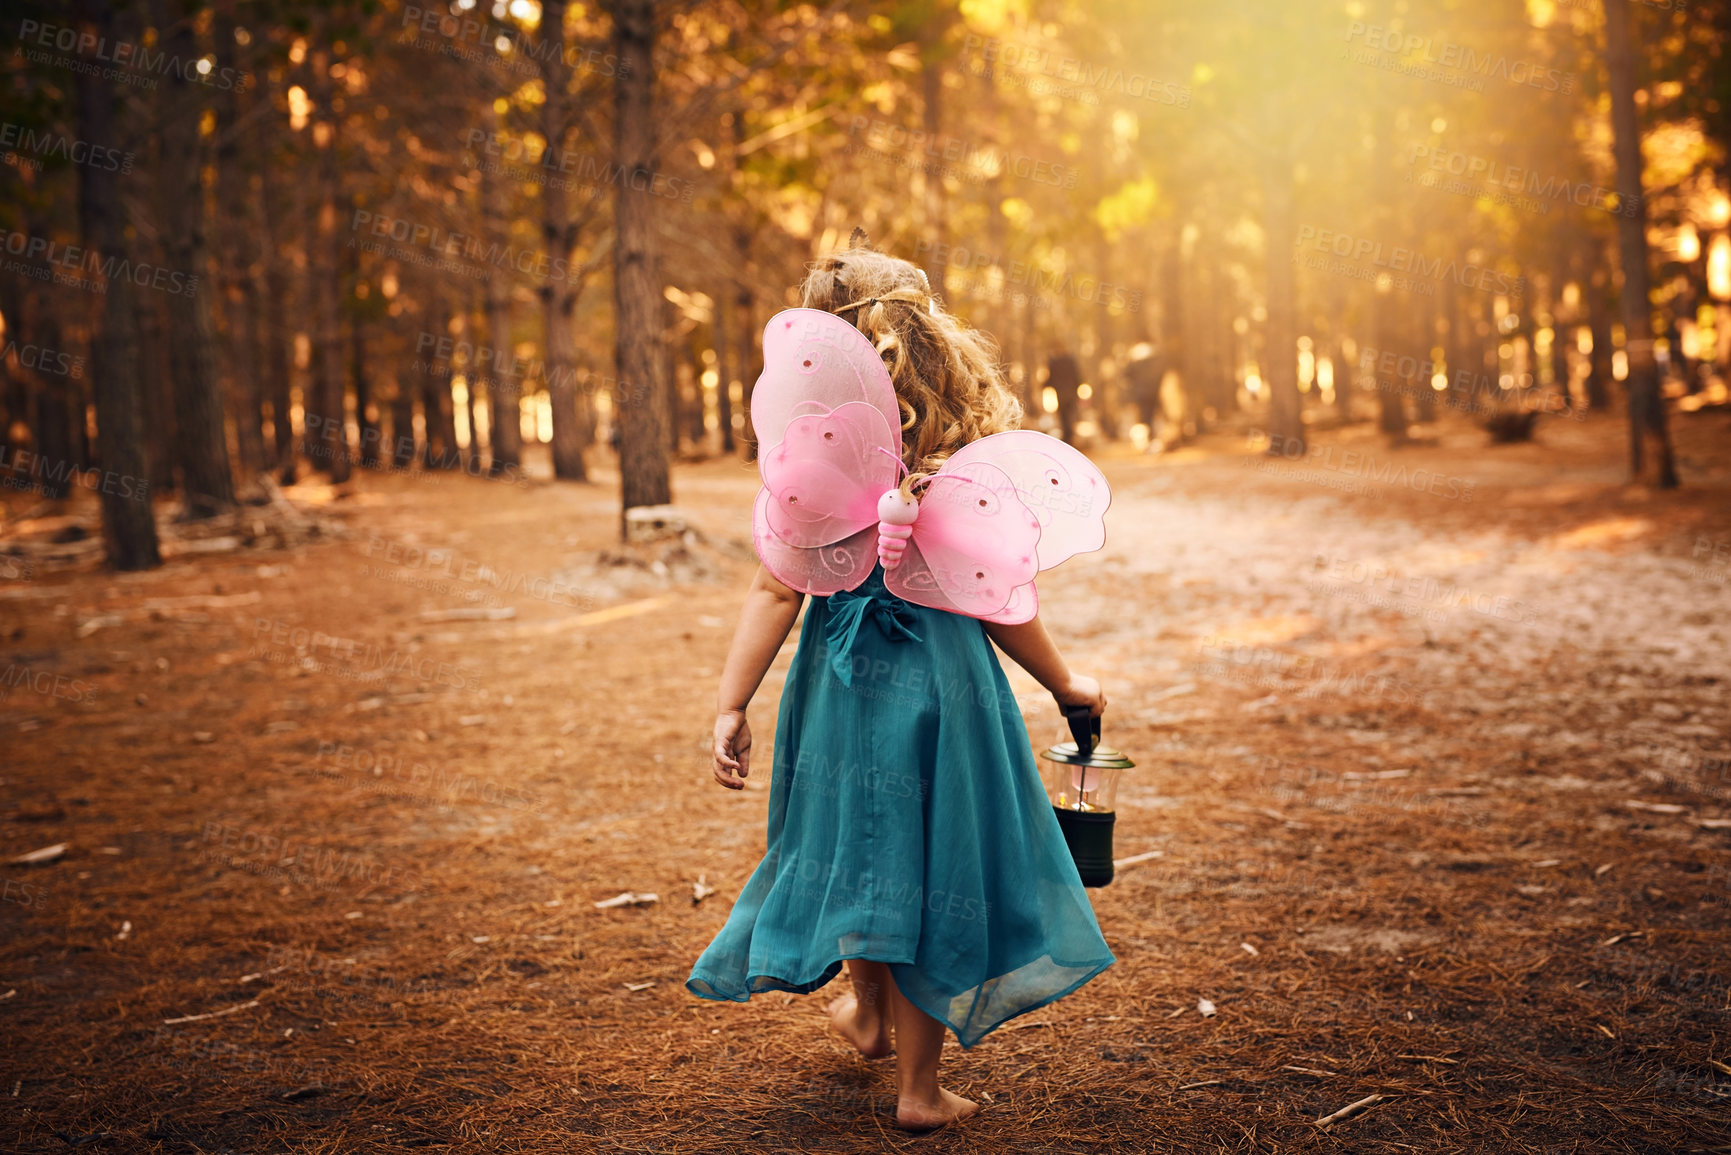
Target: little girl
{"type": "Point", "coordinates": [909, 836]}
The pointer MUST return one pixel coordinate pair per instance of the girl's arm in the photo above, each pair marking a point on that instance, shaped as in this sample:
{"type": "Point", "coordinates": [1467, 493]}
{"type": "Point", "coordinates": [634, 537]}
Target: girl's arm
{"type": "Point", "coordinates": [769, 613]}
{"type": "Point", "coordinates": [1032, 649]}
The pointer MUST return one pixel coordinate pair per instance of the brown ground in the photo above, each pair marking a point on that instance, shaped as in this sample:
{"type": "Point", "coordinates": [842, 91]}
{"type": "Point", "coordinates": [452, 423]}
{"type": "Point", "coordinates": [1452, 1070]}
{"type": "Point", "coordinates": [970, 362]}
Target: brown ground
{"type": "Point", "coordinates": [1399, 846]}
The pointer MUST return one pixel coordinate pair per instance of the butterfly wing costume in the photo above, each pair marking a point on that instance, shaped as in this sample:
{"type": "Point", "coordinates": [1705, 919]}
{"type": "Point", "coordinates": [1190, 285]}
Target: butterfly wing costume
{"type": "Point", "coordinates": [906, 820]}
{"type": "Point", "coordinates": [998, 511]}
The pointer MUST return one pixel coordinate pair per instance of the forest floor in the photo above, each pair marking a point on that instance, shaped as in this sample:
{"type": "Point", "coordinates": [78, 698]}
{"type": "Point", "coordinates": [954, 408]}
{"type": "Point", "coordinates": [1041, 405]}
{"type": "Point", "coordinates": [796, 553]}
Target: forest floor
{"type": "Point", "coordinates": [1432, 793]}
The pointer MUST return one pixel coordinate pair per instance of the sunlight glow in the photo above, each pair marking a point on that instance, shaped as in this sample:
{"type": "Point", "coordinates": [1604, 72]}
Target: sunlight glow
{"type": "Point", "coordinates": [1719, 268]}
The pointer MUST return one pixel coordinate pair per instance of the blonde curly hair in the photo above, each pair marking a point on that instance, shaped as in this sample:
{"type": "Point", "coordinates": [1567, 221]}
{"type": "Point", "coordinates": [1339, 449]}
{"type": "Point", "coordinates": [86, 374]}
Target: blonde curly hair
{"type": "Point", "coordinates": [946, 376]}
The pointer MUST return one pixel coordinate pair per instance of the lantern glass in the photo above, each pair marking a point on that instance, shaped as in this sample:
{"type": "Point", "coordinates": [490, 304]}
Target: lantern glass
{"type": "Point", "coordinates": [1082, 788]}
{"type": "Point", "coordinates": [1082, 785]}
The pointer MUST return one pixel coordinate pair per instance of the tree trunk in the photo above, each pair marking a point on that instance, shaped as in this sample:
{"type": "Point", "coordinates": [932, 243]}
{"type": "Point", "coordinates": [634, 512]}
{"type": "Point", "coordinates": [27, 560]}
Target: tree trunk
{"type": "Point", "coordinates": [643, 474]}
{"type": "Point", "coordinates": [403, 421]}
{"type": "Point", "coordinates": [504, 387]}
{"type": "Point", "coordinates": [62, 419]}
{"type": "Point", "coordinates": [240, 268]}
{"type": "Point", "coordinates": [1599, 372]}
{"type": "Point", "coordinates": [1454, 345]}
{"type": "Point", "coordinates": [1557, 355]}
{"type": "Point", "coordinates": [1345, 376]}
{"type": "Point", "coordinates": [201, 442]}
{"type": "Point", "coordinates": [471, 451]}
{"type": "Point", "coordinates": [1217, 347]}
{"type": "Point", "coordinates": [1424, 330]}
{"type": "Point", "coordinates": [438, 409]}
{"type": "Point", "coordinates": [676, 406]}
{"type": "Point", "coordinates": [747, 341]}
{"type": "Point", "coordinates": [1173, 352]}
{"type": "Point", "coordinates": [1107, 374]}
{"type": "Point", "coordinates": [1647, 431]}
{"type": "Point", "coordinates": [931, 111]}
{"type": "Point", "coordinates": [156, 400]}
{"type": "Point", "coordinates": [269, 291]}
{"type": "Point", "coordinates": [1280, 373]}
{"type": "Point", "coordinates": [996, 308]}
{"type": "Point", "coordinates": [128, 522]}
{"type": "Point", "coordinates": [278, 359]}
{"type": "Point", "coordinates": [750, 359]}
{"type": "Point", "coordinates": [573, 422]}
{"type": "Point", "coordinates": [697, 427]}
{"type": "Point", "coordinates": [723, 374]}
{"type": "Point", "coordinates": [329, 432]}
{"type": "Point", "coordinates": [366, 413]}
{"type": "Point", "coordinates": [1391, 402]}
{"type": "Point", "coordinates": [12, 405]}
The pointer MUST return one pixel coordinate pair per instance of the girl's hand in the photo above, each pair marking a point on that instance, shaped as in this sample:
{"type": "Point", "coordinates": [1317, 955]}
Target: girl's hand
{"type": "Point", "coordinates": [1082, 691]}
{"type": "Point", "coordinates": [732, 749]}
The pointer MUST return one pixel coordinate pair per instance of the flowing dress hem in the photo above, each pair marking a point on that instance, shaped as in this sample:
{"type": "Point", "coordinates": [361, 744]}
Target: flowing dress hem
{"type": "Point", "coordinates": [714, 992]}
{"type": "Point", "coordinates": [777, 983]}
{"type": "Point", "coordinates": [1092, 974]}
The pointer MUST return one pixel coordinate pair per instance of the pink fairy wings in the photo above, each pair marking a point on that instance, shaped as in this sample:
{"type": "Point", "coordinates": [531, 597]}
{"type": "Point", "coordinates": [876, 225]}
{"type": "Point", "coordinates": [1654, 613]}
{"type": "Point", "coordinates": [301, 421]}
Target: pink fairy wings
{"type": "Point", "coordinates": [814, 362]}
{"type": "Point", "coordinates": [973, 543]}
{"type": "Point", "coordinates": [830, 441]}
{"type": "Point", "coordinates": [999, 510]}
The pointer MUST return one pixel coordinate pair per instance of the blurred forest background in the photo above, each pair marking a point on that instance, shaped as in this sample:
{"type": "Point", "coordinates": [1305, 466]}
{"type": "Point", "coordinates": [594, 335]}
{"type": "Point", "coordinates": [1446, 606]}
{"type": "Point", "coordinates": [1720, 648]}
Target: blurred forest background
{"type": "Point", "coordinates": [244, 242]}
{"type": "Point", "coordinates": [382, 815]}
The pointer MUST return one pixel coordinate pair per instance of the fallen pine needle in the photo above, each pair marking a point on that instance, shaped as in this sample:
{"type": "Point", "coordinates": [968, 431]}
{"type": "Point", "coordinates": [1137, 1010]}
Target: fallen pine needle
{"type": "Point", "coordinates": [1351, 1109]}
{"type": "Point", "coordinates": [1147, 856]}
{"type": "Point", "coordinates": [210, 1014]}
{"type": "Point", "coordinates": [1432, 1059]}
{"type": "Point", "coordinates": [1204, 1083]}
{"type": "Point", "coordinates": [1617, 938]}
{"type": "Point", "coordinates": [1606, 1030]}
{"type": "Point", "coordinates": [1308, 1071]}
{"type": "Point", "coordinates": [1718, 1066]}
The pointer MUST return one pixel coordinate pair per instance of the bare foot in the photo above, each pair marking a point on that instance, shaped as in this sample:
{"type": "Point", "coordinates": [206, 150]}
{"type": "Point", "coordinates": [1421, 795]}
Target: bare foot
{"type": "Point", "coordinates": [922, 1115]}
{"type": "Point", "coordinates": [869, 1033]}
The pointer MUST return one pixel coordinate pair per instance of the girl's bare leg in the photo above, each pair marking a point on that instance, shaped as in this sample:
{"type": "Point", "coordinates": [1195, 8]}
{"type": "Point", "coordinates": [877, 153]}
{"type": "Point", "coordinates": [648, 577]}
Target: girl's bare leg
{"type": "Point", "coordinates": [921, 1105]}
{"type": "Point", "coordinates": [863, 1017]}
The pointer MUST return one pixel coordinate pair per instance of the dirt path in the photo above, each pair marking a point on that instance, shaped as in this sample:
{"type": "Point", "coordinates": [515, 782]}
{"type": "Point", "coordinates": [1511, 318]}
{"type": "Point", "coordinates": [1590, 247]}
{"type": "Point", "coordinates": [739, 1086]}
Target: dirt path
{"type": "Point", "coordinates": [1433, 771]}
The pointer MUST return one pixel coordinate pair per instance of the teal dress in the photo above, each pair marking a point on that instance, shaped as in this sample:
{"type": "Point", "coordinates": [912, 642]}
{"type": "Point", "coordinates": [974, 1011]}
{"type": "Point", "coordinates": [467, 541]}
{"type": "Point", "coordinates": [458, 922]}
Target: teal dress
{"type": "Point", "coordinates": [907, 824]}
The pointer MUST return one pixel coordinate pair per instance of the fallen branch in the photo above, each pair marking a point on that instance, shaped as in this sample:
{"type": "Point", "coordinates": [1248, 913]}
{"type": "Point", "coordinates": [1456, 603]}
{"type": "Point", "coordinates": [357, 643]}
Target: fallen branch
{"type": "Point", "coordinates": [628, 898]}
{"type": "Point", "coordinates": [38, 857]}
{"type": "Point", "coordinates": [209, 1014]}
{"type": "Point", "coordinates": [1351, 1109]}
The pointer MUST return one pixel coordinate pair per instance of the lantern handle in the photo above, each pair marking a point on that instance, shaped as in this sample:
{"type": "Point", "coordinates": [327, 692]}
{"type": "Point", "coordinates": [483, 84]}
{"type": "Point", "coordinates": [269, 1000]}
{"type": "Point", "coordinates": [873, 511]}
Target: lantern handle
{"type": "Point", "coordinates": [1084, 727]}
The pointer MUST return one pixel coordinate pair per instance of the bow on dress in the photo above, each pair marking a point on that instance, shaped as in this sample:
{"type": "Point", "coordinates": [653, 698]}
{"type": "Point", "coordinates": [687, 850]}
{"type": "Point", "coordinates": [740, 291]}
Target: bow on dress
{"type": "Point", "coordinates": [848, 611]}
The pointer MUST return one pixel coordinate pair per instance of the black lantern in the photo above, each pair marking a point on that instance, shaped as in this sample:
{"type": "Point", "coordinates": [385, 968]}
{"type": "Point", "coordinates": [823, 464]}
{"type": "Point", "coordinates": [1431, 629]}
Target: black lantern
{"type": "Point", "coordinates": [1082, 783]}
